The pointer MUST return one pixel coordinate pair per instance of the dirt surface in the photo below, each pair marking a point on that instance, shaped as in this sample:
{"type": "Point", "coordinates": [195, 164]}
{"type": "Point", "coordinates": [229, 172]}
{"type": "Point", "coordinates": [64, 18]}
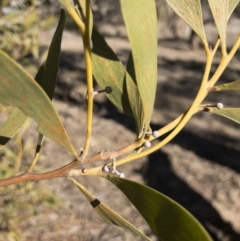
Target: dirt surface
{"type": "Point", "coordinates": [199, 168]}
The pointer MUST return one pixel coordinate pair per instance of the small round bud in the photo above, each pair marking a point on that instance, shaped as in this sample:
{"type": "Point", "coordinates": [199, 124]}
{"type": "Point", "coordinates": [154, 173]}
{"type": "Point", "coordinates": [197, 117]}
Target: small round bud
{"type": "Point", "coordinates": [121, 175]}
{"type": "Point", "coordinates": [156, 134]}
{"type": "Point", "coordinates": [219, 105]}
{"type": "Point", "coordinates": [147, 144]}
{"type": "Point", "coordinates": [106, 168]}
{"type": "Point", "coordinates": [108, 89]}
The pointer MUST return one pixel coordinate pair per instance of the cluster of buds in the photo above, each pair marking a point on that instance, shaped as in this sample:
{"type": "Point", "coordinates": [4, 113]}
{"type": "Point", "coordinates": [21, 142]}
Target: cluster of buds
{"type": "Point", "coordinates": [107, 168]}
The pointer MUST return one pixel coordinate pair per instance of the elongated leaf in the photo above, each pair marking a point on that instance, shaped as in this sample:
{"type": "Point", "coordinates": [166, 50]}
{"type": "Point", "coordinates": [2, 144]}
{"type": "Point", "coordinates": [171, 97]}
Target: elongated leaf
{"type": "Point", "coordinates": [11, 126]}
{"type": "Point", "coordinates": [16, 119]}
{"type": "Point", "coordinates": [46, 77]}
{"type": "Point", "coordinates": [230, 113]}
{"type": "Point", "coordinates": [47, 74]}
{"type": "Point", "coordinates": [233, 86]}
{"type": "Point", "coordinates": [231, 6]}
{"type": "Point", "coordinates": [220, 14]}
{"type": "Point", "coordinates": [107, 214]}
{"type": "Point", "coordinates": [108, 70]}
{"type": "Point", "coordinates": [191, 12]}
{"type": "Point", "coordinates": [135, 100]}
{"type": "Point", "coordinates": [141, 23]}
{"type": "Point", "coordinates": [48, 80]}
{"type": "Point", "coordinates": [18, 88]}
{"type": "Point", "coordinates": [168, 220]}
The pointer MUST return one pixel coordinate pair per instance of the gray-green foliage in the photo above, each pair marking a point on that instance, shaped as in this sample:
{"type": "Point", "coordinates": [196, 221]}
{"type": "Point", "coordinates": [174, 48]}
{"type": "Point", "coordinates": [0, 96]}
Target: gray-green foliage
{"type": "Point", "coordinates": [134, 88]}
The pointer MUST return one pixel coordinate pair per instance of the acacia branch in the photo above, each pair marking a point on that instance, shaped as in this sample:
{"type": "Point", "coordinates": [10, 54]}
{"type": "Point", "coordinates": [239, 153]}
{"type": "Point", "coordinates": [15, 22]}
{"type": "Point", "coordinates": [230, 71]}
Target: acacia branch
{"type": "Point", "coordinates": [64, 171]}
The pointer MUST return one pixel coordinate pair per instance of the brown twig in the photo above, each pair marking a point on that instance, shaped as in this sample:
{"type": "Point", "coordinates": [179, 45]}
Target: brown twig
{"type": "Point", "coordinates": [63, 171]}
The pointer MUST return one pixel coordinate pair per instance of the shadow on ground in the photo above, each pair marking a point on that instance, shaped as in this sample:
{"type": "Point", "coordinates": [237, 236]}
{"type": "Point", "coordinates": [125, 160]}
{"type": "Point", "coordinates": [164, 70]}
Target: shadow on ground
{"type": "Point", "coordinates": [159, 174]}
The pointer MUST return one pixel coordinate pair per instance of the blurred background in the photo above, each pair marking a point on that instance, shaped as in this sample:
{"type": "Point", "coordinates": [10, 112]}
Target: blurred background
{"type": "Point", "coordinates": [199, 168]}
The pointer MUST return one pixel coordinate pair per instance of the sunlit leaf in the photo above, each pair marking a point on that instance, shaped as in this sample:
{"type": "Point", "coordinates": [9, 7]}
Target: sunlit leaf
{"type": "Point", "coordinates": [231, 6]}
{"type": "Point", "coordinates": [11, 126]}
{"type": "Point", "coordinates": [220, 14]}
{"type": "Point", "coordinates": [233, 86]}
{"type": "Point", "coordinates": [109, 71]}
{"type": "Point", "coordinates": [141, 23]}
{"type": "Point", "coordinates": [107, 214]}
{"type": "Point", "coordinates": [167, 219]}
{"type": "Point", "coordinates": [19, 89]}
{"type": "Point", "coordinates": [191, 12]}
{"type": "Point", "coordinates": [14, 122]}
{"type": "Point", "coordinates": [46, 77]}
{"type": "Point", "coordinates": [230, 113]}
